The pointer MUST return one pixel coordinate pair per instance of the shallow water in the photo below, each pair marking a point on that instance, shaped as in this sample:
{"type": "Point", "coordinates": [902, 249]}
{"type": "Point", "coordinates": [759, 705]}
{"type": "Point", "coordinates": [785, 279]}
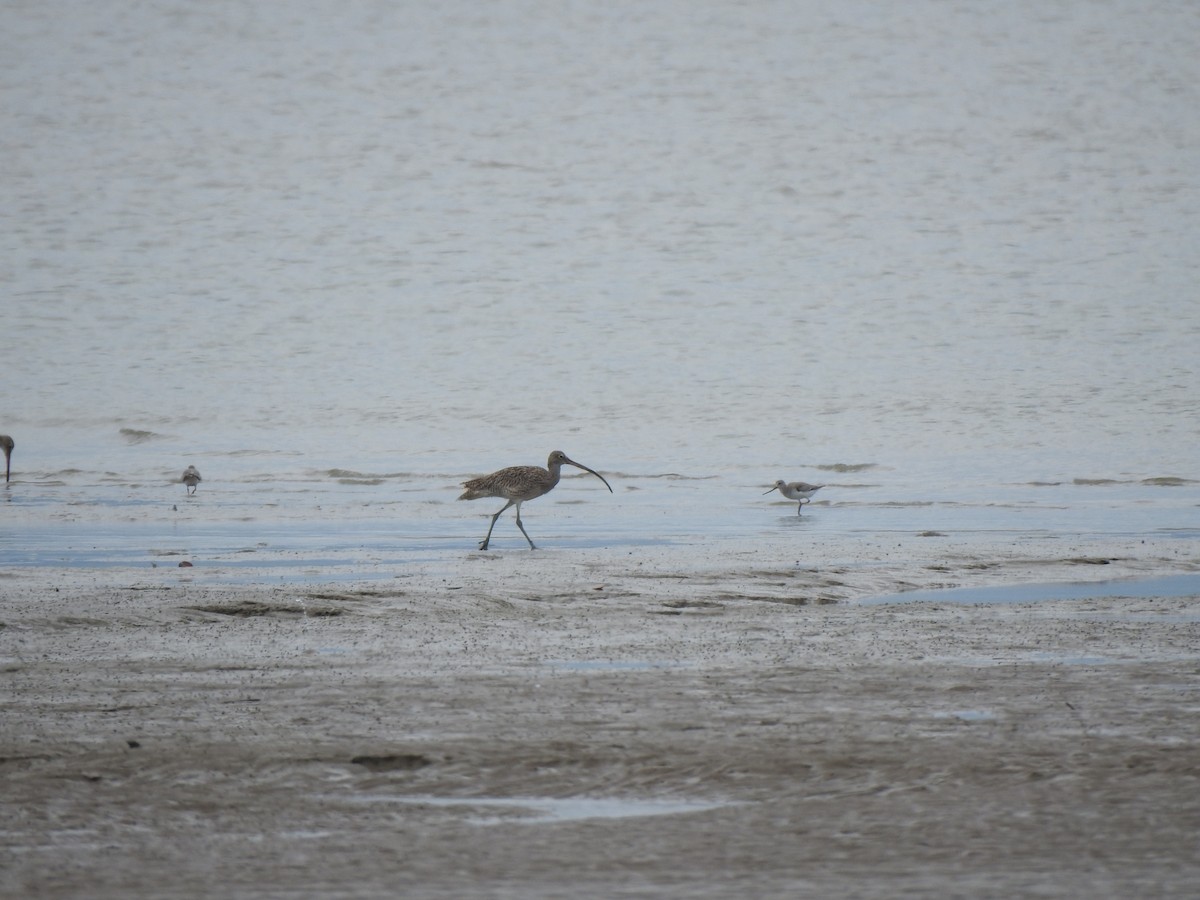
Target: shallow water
{"type": "Point", "coordinates": [535, 810]}
{"type": "Point", "coordinates": [1166, 586]}
{"type": "Point", "coordinates": [342, 259]}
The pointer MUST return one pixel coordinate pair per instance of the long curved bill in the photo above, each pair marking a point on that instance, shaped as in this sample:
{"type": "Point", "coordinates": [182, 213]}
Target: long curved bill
{"type": "Point", "coordinates": [775, 488]}
{"type": "Point", "coordinates": [593, 471]}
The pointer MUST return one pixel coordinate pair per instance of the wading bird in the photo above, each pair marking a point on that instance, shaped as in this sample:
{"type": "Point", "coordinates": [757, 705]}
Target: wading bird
{"type": "Point", "coordinates": [796, 490]}
{"type": "Point", "coordinates": [6, 444]}
{"type": "Point", "coordinates": [191, 477]}
{"type": "Point", "coordinates": [516, 484]}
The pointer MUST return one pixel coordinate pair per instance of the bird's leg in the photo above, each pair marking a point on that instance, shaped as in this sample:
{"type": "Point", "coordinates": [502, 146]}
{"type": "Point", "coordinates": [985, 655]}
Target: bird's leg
{"type": "Point", "coordinates": [522, 527]}
{"type": "Point", "coordinates": [483, 545]}
{"type": "Point", "coordinates": [799, 507]}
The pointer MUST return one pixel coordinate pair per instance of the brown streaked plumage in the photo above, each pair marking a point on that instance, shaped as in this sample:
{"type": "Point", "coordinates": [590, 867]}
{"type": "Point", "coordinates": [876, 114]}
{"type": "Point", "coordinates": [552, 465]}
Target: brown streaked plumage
{"type": "Point", "coordinates": [6, 444]}
{"type": "Point", "coordinates": [796, 490]}
{"type": "Point", "coordinates": [516, 484]}
{"type": "Point", "coordinates": [191, 477]}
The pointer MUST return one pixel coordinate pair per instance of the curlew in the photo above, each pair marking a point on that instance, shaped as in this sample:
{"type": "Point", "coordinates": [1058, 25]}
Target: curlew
{"type": "Point", "coordinates": [516, 484]}
{"type": "Point", "coordinates": [191, 477]}
{"type": "Point", "coordinates": [6, 443]}
{"type": "Point", "coordinates": [796, 490]}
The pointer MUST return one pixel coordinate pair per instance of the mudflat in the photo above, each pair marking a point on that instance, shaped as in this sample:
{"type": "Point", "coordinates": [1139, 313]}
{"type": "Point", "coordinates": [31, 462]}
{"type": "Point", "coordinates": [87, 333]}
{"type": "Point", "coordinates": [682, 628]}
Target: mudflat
{"type": "Point", "coordinates": [579, 736]}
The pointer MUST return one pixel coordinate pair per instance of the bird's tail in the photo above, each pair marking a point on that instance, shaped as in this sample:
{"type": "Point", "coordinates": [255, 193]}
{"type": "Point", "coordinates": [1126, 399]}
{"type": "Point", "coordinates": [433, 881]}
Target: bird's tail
{"type": "Point", "coordinates": [472, 491]}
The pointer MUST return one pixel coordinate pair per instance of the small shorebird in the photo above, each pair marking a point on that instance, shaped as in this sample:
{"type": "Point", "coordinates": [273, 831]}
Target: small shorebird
{"type": "Point", "coordinates": [796, 490]}
{"type": "Point", "coordinates": [6, 444]}
{"type": "Point", "coordinates": [516, 484]}
{"type": "Point", "coordinates": [191, 477]}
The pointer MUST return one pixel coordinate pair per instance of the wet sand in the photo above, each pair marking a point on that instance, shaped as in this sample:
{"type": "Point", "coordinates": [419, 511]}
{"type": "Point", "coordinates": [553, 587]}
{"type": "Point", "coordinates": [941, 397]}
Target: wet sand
{"type": "Point", "coordinates": [556, 725]}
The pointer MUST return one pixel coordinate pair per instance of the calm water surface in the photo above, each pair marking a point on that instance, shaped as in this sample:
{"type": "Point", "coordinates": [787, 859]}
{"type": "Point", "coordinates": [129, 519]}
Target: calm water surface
{"type": "Point", "coordinates": [342, 256]}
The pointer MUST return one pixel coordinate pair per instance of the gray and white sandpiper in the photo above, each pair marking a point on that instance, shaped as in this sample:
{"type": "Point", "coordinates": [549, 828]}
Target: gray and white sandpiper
{"type": "Point", "coordinates": [191, 477]}
{"type": "Point", "coordinates": [796, 490]}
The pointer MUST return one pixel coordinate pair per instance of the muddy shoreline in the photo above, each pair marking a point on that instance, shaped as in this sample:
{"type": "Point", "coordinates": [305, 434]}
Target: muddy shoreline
{"type": "Point", "coordinates": [184, 740]}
